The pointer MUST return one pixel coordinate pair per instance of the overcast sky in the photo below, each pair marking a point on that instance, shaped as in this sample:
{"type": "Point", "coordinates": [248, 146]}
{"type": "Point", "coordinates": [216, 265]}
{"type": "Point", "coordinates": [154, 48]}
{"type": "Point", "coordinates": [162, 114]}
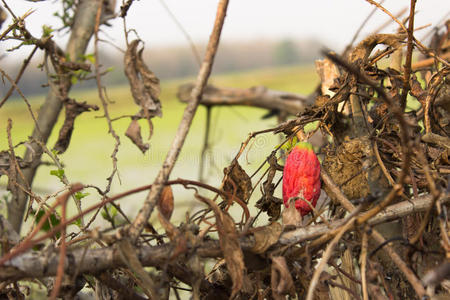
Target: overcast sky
{"type": "Point", "coordinates": [331, 21]}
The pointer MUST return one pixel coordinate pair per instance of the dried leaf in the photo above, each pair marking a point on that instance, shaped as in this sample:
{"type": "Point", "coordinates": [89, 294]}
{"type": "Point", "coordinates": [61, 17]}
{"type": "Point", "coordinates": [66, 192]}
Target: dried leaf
{"type": "Point", "coordinates": [365, 47]}
{"type": "Point", "coordinates": [238, 183]}
{"type": "Point", "coordinates": [268, 203]}
{"type": "Point", "coordinates": [266, 236]}
{"type": "Point", "coordinates": [165, 203]}
{"type": "Point", "coordinates": [291, 216]}
{"type": "Point", "coordinates": [134, 134]}
{"type": "Point", "coordinates": [218, 275]}
{"type": "Point", "coordinates": [229, 243]}
{"type": "Point", "coordinates": [281, 280]}
{"type": "Point", "coordinates": [151, 82]}
{"type": "Point", "coordinates": [328, 73]}
{"type": "Point", "coordinates": [416, 89]}
{"type": "Point", "coordinates": [144, 84]}
{"type": "Point", "coordinates": [73, 109]}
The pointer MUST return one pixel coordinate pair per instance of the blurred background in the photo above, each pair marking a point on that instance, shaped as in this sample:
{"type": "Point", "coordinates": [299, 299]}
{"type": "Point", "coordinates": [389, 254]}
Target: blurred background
{"type": "Point", "coordinates": [257, 34]}
{"type": "Point", "coordinates": [268, 43]}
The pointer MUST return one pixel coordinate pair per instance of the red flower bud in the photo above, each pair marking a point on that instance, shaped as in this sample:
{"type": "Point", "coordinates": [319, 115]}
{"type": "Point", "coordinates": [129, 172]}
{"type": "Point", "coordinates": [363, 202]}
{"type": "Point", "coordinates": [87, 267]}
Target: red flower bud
{"type": "Point", "coordinates": [301, 177]}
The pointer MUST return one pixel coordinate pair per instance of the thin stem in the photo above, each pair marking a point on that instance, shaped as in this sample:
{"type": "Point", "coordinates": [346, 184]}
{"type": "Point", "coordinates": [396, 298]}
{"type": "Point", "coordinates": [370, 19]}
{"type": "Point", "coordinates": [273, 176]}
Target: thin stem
{"type": "Point", "coordinates": [136, 228]}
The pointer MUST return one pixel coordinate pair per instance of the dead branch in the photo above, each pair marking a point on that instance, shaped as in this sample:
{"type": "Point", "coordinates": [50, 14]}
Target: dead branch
{"type": "Point", "coordinates": [390, 213]}
{"type": "Point", "coordinates": [101, 95]}
{"type": "Point", "coordinates": [256, 97]}
{"type": "Point", "coordinates": [183, 128]}
{"type": "Point", "coordinates": [92, 261]}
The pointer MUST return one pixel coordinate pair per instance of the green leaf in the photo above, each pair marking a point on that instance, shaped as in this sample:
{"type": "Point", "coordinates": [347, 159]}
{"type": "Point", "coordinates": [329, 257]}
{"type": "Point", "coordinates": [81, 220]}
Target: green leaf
{"type": "Point", "coordinates": [113, 211]}
{"type": "Point", "coordinates": [46, 31]}
{"type": "Point", "coordinates": [58, 173]}
{"type": "Point", "coordinates": [73, 80]}
{"type": "Point", "coordinates": [90, 57]}
{"type": "Point", "coordinates": [80, 195]}
{"type": "Point", "coordinates": [51, 221]}
{"type": "Point", "coordinates": [311, 126]}
{"type": "Point", "coordinates": [77, 222]}
{"type": "Point", "coordinates": [109, 213]}
{"type": "Point", "coordinates": [290, 144]}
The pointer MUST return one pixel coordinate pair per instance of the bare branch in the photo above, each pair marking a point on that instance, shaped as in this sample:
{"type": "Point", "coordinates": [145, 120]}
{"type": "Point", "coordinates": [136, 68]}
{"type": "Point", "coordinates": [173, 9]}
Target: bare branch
{"type": "Point", "coordinates": [92, 261]}
{"type": "Point", "coordinates": [256, 96]}
{"type": "Point", "coordinates": [184, 125]}
{"type": "Point", "coordinates": [82, 30]}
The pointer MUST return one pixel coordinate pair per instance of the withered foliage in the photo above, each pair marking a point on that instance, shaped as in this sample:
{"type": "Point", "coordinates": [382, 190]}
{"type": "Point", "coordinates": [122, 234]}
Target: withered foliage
{"type": "Point", "coordinates": [73, 109]}
{"type": "Point", "coordinates": [145, 90]}
{"type": "Point", "coordinates": [379, 231]}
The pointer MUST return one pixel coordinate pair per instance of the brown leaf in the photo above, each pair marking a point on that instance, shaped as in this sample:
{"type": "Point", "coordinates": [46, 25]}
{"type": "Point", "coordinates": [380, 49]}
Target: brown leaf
{"type": "Point", "coordinates": [281, 280]}
{"type": "Point", "coordinates": [328, 73]}
{"type": "Point", "coordinates": [416, 89]}
{"type": "Point", "coordinates": [266, 236]}
{"type": "Point", "coordinates": [238, 183]}
{"type": "Point", "coordinates": [268, 203]}
{"type": "Point", "coordinates": [229, 243]}
{"type": "Point", "coordinates": [134, 134]}
{"type": "Point", "coordinates": [291, 217]}
{"type": "Point", "coordinates": [144, 84]}
{"type": "Point", "coordinates": [165, 209]}
{"type": "Point", "coordinates": [365, 47]}
{"type": "Point", "coordinates": [73, 109]}
{"type": "Point", "coordinates": [151, 82]}
{"type": "Point", "coordinates": [165, 202]}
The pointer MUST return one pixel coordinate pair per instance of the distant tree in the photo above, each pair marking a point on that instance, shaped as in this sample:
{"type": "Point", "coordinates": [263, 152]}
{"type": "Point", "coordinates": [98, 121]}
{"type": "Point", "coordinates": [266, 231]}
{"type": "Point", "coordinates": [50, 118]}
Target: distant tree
{"type": "Point", "coordinates": [286, 52]}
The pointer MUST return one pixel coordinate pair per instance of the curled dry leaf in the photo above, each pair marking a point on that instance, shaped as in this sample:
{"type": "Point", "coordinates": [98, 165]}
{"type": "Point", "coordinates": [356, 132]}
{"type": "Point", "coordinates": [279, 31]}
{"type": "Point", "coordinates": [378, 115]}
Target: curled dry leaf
{"type": "Point", "coordinates": [266, 236]}
{"type": "Point", "coordinates": [165, 202]}
{"type": "Point", "coordinates": [328, 73]}
{"type": "Point", "coordinates": [291, 216]}
{"type": "Point", "coordinates": [145, 90]}
{"type": "Point", "coordinates": [165, 209]}
{"type": "Point", "coordinates": [134, 134]}
{"type": "Point", "coordinates": [73, 109]}
{"type": "Point", "coordinates": [144, 84]}
{"type": "Point", "coordinates": [229, 243]}
{"type": "Point", "coordinates": [237, 183]}
{"type": "Point", "coordinates": [281, 280]}
{"type": "Point", "coordinates": [365, 47]}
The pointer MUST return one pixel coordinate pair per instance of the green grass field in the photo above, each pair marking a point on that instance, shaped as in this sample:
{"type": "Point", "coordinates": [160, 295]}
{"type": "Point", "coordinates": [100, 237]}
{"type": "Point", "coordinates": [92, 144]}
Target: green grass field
{"type": "Point", "coordinates": [88, 158]}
